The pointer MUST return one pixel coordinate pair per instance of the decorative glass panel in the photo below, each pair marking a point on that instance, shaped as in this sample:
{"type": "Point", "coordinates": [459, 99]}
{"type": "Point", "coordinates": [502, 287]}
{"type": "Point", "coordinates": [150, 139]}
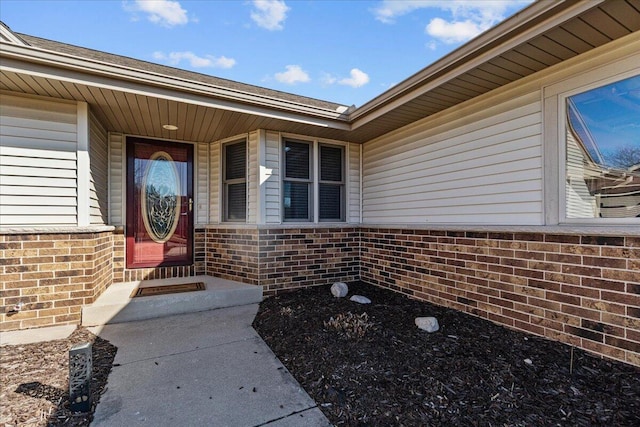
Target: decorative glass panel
{"type": "Point", "coordinates": [603, 152]}
{"type": "Point", "coordinates": [160, 195]}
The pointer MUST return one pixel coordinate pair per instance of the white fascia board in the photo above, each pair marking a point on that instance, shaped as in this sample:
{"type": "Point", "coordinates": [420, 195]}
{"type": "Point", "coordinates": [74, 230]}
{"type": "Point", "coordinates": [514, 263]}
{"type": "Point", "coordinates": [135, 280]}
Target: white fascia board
{"type": "Point", "coordinates": [459, 59]}
{"type": "Point", "coordinates": [84, 71]}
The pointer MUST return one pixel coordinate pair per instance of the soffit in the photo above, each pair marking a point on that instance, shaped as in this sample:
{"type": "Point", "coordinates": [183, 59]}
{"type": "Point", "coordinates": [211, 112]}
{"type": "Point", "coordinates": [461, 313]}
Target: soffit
{"type": "Point", "coordinates": [139, 114]}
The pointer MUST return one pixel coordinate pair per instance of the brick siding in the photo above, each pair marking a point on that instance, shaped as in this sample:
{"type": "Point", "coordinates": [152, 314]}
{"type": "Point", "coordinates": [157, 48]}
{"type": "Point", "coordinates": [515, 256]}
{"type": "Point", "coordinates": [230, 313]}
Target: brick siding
{"type": "Point", "coordinates": [53, 275]}
{"type": "Point", "coordinates": [232, 253]}
{"type": "Point", "coordinates": [297, 257]}
{"type": "Point", "coordinates": [581, 290]}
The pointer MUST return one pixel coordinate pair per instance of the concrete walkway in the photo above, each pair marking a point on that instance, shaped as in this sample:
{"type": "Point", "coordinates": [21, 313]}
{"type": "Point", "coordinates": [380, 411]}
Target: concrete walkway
{"type": "Point", "coordinates": [201, 369]}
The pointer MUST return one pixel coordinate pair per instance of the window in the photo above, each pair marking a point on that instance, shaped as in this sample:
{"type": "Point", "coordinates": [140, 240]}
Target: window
{"type": "Point", "coordinates": [602, 136]}
{"type": "Point", "coordinates": [300, 183]}
{"type": "Point", "coordinates": [331, 186]}
{"type": "Point", "coordinates": [235, 181]}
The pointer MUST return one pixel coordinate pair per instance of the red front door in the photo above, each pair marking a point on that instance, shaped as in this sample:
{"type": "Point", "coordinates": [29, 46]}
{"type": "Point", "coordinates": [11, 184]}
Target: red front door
{"type": "Point", "coordinates": [159, 203]}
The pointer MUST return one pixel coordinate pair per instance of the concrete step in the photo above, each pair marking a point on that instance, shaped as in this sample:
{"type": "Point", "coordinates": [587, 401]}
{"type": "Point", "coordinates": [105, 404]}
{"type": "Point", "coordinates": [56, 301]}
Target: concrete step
{"type": "Point", "coordinates": [115, 305]}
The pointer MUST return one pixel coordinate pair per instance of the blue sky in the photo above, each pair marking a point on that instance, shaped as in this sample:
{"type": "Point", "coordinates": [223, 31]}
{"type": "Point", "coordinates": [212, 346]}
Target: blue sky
{"type": "Point", "coordinates": [342, 51]}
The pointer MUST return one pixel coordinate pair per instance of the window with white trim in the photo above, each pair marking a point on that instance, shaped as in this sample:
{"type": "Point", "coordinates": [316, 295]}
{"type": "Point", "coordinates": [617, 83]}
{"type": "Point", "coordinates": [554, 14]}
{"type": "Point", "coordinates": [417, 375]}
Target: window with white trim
{"type": "Point", "coordinates": [234, 181]}
{"type": "Point", "coordinates": [313, 181]}
{"type": "Point", "coordinates": [602, 151]}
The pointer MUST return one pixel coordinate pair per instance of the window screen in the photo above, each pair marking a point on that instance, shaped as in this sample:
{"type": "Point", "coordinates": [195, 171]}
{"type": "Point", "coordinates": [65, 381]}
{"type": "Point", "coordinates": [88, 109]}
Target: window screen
{"type": "Point", "coordinates": [235, 181]}
{"type": "Point", "coordinates": [331, 186]}
{"type": "Point", "coordinates": [297, 193]}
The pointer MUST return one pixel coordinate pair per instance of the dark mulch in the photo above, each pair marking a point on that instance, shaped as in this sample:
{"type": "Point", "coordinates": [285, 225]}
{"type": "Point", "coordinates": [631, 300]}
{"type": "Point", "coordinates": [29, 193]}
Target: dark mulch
{"type": "Point", "coordinates": [469, 373]}
{"type": "Point", "coordinates": [34, 389]}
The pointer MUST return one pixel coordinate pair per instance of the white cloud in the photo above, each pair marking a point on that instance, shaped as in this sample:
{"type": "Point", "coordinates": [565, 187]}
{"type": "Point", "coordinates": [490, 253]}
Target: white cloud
{"type": "Point", "coordinates": [195, 61]}
{"type": "Point", "coordinates": [294, 74]}
{"type": "Point", "coordinates": [358, 78]}
{"type": "Point", "coordinates": [269, 14]}
{"type": "Point", "coordinates": [461, 21]}
{"type": "Point", "coordinates": [453, 32]}
{"type": "Point", "coordinates": [164, 12]}
{"type": "Point", "coordinates": [328, 79]}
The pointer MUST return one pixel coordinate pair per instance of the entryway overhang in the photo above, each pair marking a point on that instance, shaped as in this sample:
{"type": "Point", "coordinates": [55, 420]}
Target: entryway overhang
{"type": "Point", "coordinates": [137, 102]}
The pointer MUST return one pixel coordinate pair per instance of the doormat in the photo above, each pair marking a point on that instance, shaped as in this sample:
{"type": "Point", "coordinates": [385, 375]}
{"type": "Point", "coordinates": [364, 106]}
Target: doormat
{"type": "Point", "coordinates": [167, 289]}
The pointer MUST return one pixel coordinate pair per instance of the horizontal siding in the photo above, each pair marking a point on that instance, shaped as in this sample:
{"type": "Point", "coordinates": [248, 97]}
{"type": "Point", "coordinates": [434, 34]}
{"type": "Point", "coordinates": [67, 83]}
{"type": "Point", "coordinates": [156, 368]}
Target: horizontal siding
{"type": "Point", "coordinates": [353, 196]}
{"type": "Point", "coordinates": [272, 175]}
{"type": "Point", "coordinates": [116, 179]}
{"type": "Point", "coordinates": [202, 183]}
{"type": "Point", "coordinates": [98, 186]}
{"type": "Point", "coordinates": [214, 182]}
{"type": "Point", "coordinates": [487, 170]}
{"type": "Point", "coordinates": [38, 162]}
{"type": "Point", "coordinates": [253, 169]}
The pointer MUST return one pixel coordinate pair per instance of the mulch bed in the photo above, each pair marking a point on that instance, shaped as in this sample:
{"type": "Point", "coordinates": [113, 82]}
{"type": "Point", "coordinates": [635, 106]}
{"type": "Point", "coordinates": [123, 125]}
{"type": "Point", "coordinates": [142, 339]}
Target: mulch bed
{"type": "Point", "coordinates": [34, 381]}
{"type": "Point", "coordinates": [379, 369]}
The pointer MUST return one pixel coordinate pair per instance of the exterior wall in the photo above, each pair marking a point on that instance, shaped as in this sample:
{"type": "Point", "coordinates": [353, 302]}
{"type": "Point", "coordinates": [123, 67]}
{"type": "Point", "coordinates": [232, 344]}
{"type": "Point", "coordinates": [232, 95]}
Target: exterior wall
{"type": "Point", "coordinates": [253, 181]}
{"type": "Point", "coordinates": [215, 193]}
{"type": "Point", "coordinates": [353, 190]}
{"type": "Point", "coordinates": [52, 275]}
{"type": "Point", "coordinates": [300, 257]}
{"type": "Point", "coordinates": [232, 253]}
{"type": "Point", "coordinates": [479, 167]}
{"type": "Point", "coordinates": [201, 190]}
{"type": "Point", "coordinates": [578, 289]}
{"type": "Point", "coordinates": [98, 185]}
{"type": "Point", "coordinates": [117, 196]}
{"type": "Point", "coordinates": [271, 179]}
{"type": "Point", "coordinates": [38, 162]}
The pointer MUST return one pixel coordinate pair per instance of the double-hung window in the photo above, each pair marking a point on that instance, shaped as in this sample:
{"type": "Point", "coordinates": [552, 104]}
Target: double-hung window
{"type": "Point", "coordinates": [313, 181]}
{"type": "Point", "coordinates": [235, 181]}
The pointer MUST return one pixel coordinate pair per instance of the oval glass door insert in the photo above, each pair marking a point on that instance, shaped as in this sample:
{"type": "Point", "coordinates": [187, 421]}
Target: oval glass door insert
{"type": "Point", "coordinates": [160, 195]}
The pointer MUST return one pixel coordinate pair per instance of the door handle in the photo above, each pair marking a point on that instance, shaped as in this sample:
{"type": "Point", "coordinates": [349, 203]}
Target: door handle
{"type": "Point", "coordinates": [190, 204]}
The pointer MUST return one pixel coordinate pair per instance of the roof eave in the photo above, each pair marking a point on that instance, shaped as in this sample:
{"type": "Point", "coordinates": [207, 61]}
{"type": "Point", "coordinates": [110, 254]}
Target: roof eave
{"type": "Point", "coordinates": [486, 46]}
{"type": "Point", "coordinates": [270, 105]}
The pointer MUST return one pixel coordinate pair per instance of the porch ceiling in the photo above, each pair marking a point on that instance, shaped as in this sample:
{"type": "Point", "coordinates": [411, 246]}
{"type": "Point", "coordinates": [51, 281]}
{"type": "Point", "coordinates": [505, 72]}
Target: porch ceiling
{"type": "Point", "coordinates": [134, 112]}
{"type": "Point", "coordinates": [135, 97]}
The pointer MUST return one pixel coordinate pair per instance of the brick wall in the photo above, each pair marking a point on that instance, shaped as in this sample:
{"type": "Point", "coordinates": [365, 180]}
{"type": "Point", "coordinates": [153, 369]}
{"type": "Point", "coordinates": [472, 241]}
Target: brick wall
{"type": "Point", "coordinates": [580, 290]}
{"type": "Point", "coordinates": [232, 253]}
{"type": "Point", "coordinates": [297, 257]}
{"type": "Point", "coordinates": [53, 275]}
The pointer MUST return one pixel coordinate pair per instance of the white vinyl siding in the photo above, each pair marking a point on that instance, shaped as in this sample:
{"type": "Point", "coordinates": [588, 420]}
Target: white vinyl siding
{"type": "Point", "coordinates": [215, 167]}
{"type": "Point", "coordinates": [353, 183]}
{"type": "Point", "coordinates": [38, 162]}
{"type": "Point", "coordinates": [272, 178]}
{"type": "Point", "coordinates": [98, 187]}
{"type": "Point", "coordinates": [202, 183]}
{"type": "Point", "coordinates": [483, 169]}
{"type": "Point", "coordinates": [116, 179]}
{"type": "Point", "coordinates": [252, 178]}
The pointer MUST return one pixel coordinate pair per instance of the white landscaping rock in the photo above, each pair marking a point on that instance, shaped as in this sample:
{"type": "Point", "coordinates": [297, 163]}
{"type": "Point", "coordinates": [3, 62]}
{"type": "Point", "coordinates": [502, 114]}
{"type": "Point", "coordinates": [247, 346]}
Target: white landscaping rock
{"type": "Point", "coordinates": [339, 289]}
{"type": "Point", "coordinates": [429, 324]}
{"type": "Point", "coordinates": [360, 299]}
